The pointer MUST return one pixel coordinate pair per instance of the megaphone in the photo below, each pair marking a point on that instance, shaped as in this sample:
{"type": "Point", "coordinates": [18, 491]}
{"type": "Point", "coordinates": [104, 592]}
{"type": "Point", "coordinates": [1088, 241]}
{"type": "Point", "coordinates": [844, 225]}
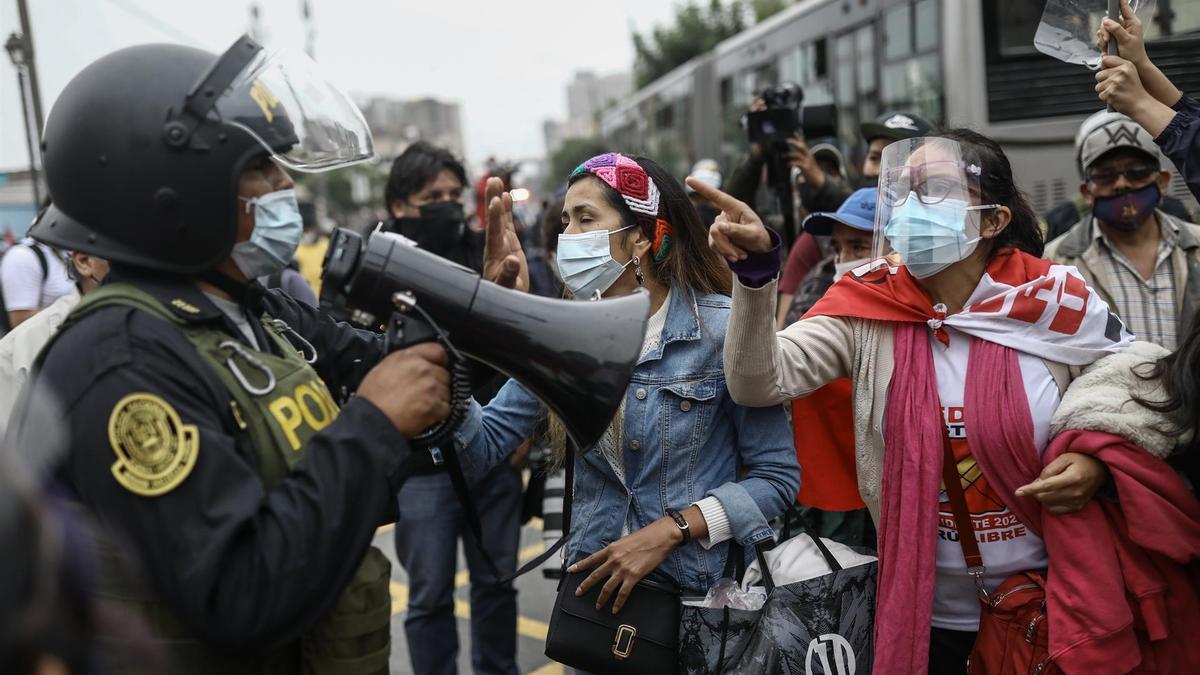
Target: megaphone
{"type": "Point", "coordinates": [575, 357]}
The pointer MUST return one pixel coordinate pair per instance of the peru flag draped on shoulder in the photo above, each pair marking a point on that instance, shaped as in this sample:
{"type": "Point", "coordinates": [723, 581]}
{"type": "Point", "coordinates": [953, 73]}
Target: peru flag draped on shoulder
{"type": "Point", "coordinates": [1032, 305]}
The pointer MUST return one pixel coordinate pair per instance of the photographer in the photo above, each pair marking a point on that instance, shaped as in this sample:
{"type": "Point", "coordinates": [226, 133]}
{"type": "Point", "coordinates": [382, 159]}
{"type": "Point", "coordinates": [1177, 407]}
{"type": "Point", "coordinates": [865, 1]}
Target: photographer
{"type": "Point", "coordinates": [819, 191]}
{"type": "Point", "coordinates": [201, 429]}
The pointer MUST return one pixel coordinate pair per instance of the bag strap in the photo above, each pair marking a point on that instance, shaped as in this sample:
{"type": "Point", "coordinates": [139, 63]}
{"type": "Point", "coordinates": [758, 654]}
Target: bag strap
{"type": "Point", "coordinates": [568, 496]}
{"type": "Point", "coordinates": [794, 514]}
{"type": "Point", "coordinates": [962, 514]}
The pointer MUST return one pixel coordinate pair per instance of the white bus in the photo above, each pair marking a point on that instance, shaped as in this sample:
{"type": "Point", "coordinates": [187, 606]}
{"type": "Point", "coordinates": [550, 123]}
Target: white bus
{"type": "Point", "coordinates": [963, 62]}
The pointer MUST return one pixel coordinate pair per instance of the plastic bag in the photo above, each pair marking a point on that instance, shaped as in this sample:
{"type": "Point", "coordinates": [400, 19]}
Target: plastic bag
{"type": "Point", "coordinates": [727, 593]}
{"type": "Point", "coordinates": [798, 559]}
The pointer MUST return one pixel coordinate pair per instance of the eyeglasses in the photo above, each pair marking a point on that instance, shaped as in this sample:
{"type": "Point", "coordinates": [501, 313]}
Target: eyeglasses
{"type": "Point", "coordinates": [930, 188]}
{"type": "Point", "coordinates": [1133, 174]}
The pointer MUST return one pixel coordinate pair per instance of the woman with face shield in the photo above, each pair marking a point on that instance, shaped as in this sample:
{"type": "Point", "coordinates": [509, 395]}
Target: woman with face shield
{"type": "Point", "coordinates": [959, 342]}
{"type": "Point", "coordinates": [683, 470]}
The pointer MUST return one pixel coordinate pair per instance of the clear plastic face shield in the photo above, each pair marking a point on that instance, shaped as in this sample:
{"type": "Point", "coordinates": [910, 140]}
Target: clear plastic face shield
{"type": "Point", "coordinates": [1068, 28]}
{"type": "Point", "coordinates": [302, 119]}
{"type": "Point", "coordinates": [929, 213]}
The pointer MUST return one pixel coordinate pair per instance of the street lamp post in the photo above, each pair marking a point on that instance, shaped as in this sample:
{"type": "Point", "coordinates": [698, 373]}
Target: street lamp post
{"type": "Point", "coordinates": [15, 46]}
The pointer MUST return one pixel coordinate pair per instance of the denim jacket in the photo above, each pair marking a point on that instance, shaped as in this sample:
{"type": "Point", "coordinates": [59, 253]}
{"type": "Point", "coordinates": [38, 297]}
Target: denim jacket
{"type": "Point", "coordinates": [684, 439]}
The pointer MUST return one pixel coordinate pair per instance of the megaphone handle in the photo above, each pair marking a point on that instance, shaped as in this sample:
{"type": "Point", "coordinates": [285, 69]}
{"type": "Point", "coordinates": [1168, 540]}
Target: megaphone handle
{"type": "Point", "coordinates": [406, 331]}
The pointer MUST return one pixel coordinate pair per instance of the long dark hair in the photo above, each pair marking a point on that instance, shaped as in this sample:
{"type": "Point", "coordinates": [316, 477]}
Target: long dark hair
{"type": "Point", "coordinates": [690, 262]}
{"type": "Point", "coordinates": [1179, 374]}
{"type": "Point", "coordinates": [997, 187]}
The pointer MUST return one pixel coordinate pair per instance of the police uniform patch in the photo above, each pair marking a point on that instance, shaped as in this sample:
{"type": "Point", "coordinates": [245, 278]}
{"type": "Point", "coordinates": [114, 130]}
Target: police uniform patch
{"type": "Point", "coordinates": [155, 450]}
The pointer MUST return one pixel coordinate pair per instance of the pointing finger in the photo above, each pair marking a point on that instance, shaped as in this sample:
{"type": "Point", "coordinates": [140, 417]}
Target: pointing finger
{"type": "Point", "coordinates": [734, 207]}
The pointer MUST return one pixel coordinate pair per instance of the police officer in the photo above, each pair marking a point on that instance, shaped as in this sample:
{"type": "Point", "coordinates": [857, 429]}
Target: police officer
{"type": "Point", "coordinates": [203, 429]}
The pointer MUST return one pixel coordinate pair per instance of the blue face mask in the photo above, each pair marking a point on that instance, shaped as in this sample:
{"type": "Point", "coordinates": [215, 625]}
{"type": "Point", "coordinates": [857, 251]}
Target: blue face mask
{"type": "Point", "coordinates": [931, 237]}
{"type": "Point", "coordinates": [585, 263]}
{"type": "Point", "coordinates": [276, 235]}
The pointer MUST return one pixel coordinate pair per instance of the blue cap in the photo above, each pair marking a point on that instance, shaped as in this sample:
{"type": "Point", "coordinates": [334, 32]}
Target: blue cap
{"type": "Point", "coordinates": [858, 211]}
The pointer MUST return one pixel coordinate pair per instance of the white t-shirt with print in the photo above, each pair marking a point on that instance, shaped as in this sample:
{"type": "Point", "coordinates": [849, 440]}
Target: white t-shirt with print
{"type": "Point", "coordinates": [21, 277]}
{"type": "Point", "coordinates": [1006, 545]}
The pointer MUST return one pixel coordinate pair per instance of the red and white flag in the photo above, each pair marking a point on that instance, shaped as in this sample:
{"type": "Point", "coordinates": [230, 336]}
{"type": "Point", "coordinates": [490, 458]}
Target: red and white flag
{"type": "Point", "coordinates": [1032, 305]}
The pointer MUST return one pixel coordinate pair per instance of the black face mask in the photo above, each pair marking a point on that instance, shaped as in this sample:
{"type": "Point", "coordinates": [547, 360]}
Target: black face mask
{"type": "Point", "coordinates": [868, 181]}
{"type": "Point", "coordinates": [439, 229]}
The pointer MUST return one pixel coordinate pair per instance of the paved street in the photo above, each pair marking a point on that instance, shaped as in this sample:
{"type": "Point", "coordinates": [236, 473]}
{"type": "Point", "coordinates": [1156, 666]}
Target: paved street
{"type": "Point", "coordinates": [535, 600]}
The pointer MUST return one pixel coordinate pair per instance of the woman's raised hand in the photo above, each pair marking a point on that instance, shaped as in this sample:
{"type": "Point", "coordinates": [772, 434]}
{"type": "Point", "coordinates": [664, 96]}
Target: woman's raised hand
{"type": "Point", "coordinates": [738, 231]}
{"type": "Point", "coordinates": [503, 260]}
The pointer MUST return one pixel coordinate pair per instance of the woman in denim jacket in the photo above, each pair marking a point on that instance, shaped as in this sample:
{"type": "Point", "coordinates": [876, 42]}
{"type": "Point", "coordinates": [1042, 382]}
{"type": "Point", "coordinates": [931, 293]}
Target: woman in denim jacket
{"type": "Point", "coordinates": [679, 443]}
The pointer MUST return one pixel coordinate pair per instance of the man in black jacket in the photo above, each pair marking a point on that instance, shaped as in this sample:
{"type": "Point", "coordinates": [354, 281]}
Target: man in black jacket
{"type": "Point", "coordinates": [424, 197]}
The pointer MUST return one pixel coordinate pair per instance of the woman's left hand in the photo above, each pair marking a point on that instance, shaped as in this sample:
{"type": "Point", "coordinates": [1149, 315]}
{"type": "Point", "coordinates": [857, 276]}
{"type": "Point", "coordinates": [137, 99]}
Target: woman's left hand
{"type": "Point", "coordinates": [1068, 483]}
{"type": "Point", "coordinates": [625, 561]}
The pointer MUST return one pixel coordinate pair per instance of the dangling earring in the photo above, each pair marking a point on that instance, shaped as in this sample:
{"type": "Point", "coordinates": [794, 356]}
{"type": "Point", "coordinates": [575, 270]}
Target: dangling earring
{"type": "Point", "coordinates": [637, 271]}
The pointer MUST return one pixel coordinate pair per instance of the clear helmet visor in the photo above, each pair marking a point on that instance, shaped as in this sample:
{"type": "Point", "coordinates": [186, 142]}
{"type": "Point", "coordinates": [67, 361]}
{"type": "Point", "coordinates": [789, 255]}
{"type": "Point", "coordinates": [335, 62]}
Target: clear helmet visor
{"type": "Point", "coordinates": [928, 212]}
{"type": "Point", "coordinates": [1068, 28]}
{"type": "Point", "coordinates": [299, 116]}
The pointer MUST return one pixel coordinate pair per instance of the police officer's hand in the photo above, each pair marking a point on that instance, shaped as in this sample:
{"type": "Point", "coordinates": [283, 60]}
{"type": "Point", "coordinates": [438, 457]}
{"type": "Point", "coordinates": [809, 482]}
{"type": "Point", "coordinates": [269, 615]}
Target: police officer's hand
{"type": "Point", "coordinates": [738, 231]}
{"type": "Point", "coordinates": [411, 386]}
{"type": "Point", "coordinates": [503, 260]}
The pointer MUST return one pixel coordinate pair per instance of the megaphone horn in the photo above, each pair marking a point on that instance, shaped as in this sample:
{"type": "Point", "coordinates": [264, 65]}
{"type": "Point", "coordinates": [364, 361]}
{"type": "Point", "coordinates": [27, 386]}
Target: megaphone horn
{"type": "Point", "coordinates": [575, 357]}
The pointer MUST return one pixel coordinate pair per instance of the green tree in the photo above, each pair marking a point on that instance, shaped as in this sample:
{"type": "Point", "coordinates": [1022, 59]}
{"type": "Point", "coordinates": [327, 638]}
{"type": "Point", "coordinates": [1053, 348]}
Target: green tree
{"type": "Point", "coordinates": [765, 8]}
{"type": "Point", "coordinates": [696, 30]}
{"type": "Point", "coordinates": [569, 155]}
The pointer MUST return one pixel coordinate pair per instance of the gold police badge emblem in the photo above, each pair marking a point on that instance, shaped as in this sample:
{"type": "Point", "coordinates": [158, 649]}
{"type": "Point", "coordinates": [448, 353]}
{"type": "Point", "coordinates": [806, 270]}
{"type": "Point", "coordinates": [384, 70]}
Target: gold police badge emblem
{"type": "Point", "coordinates": [155, 450]}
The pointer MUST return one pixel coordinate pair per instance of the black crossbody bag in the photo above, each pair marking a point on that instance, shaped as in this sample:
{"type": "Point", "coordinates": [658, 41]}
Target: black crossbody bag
{"type": "Point", "coordinates": [642, 638]}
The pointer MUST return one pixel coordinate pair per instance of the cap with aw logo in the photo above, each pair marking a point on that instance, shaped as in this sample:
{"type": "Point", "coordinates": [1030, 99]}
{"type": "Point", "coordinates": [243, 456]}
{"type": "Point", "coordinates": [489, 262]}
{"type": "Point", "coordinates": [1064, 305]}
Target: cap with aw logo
{"type": "Point", "coordinates": [1106, 131]}
{"type": "Point", "coordinates": [896, 125]}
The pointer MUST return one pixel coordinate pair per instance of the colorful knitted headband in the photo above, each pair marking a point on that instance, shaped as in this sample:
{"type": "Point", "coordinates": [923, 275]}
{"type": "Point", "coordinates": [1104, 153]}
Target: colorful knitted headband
{"type": "Point", "coordinates": [640, 193]}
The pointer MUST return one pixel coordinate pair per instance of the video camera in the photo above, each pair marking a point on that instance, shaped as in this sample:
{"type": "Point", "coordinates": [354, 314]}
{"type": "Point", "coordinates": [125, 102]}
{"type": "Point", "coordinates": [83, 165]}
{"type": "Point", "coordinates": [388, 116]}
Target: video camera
{"type": "Point", "coordinates": [781, 119]}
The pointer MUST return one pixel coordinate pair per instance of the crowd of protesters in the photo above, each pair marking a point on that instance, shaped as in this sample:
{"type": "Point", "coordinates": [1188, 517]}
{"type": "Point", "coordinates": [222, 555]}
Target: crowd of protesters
{"type": "Point", "coordinates": [985, 399]}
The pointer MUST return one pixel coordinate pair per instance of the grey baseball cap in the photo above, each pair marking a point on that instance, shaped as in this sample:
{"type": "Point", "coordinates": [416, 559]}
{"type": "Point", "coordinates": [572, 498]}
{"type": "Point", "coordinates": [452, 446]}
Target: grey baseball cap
{"type": "Point", "coordinates": [1106, 131]}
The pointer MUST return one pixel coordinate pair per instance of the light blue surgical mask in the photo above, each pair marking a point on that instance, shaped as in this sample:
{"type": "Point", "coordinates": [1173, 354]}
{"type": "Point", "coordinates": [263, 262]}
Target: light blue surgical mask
{"type": "Point", "coordinates": [931, 237]}
{"type": "Point", "coordinates": [277, 231]}
{"type": "Point", "coordinates": [585, 263]}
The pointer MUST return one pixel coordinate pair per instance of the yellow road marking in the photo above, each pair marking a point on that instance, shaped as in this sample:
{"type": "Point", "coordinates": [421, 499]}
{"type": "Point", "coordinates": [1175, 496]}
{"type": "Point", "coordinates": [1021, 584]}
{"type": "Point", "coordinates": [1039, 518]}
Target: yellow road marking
{"type": "Point", "coordinates": [528, 553]}
{"type": "Point", "coordinates": [530, 628]}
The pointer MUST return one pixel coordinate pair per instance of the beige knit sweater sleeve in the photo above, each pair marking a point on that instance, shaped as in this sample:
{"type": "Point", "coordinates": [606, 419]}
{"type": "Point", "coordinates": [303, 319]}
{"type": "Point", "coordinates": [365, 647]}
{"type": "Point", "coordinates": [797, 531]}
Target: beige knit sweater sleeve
{"type": "Point", "coordinates": [764, 368]}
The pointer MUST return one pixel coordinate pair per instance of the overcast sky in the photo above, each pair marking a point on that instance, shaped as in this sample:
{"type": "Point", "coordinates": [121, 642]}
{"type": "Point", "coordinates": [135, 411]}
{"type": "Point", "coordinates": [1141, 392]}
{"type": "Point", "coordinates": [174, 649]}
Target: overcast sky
{"type": "Point", "coordinates": [506, 63]}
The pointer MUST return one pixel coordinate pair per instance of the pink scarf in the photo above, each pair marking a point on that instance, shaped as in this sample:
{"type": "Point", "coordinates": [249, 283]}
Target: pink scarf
{"type": "Point", "coordinates": [998, 419]}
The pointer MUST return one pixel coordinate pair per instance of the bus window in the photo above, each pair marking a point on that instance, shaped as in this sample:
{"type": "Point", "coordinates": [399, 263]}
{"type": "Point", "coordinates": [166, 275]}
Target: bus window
{"type": "Point", "coordinates": [897, 33]}
{"type": "Point", "coordinates": [1173, 17]}
{"type": "Point", "coordinates": [927, 25]}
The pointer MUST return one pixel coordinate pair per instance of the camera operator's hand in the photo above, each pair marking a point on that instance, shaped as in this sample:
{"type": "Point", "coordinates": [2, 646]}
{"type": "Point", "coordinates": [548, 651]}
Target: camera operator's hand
{"type": "Point", "coordinates": [799, 156]}
{"type": "Point", "coordinates": [1129, 35]}
{"type": "Point", "coordinates": [411, 386]}
{"type": "Point", "coordinates": [757, 105]}
{"type": "Point", "coordinates": [738, 231]}
{"type": "Point", "coordinates": [503, 260]}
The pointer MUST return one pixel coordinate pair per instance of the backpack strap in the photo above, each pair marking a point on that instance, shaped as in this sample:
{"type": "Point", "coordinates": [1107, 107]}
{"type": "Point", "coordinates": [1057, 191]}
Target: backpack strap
{"type": "Point", "coordinates": [41, 258]}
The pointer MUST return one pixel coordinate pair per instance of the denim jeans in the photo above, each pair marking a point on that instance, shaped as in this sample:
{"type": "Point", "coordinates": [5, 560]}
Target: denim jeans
{"type": "Point", "coordinates": [427, 533]}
